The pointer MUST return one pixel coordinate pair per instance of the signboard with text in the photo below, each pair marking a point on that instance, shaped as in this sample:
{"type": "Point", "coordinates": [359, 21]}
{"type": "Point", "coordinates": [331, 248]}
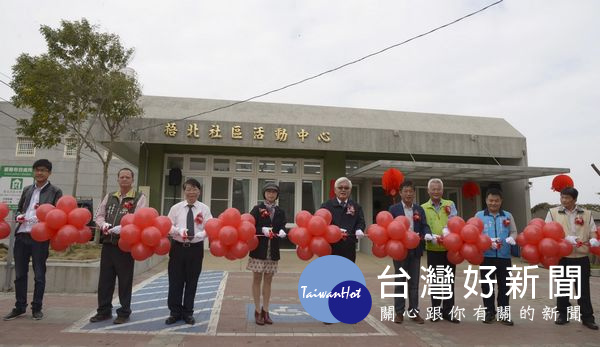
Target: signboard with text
{"type": "Point", "coordinates": [12, 181]}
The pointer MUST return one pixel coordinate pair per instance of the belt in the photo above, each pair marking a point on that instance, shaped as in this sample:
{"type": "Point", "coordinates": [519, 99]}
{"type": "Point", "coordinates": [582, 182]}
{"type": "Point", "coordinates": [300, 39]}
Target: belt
{"type": "Point", "coordinates": [188, 244]}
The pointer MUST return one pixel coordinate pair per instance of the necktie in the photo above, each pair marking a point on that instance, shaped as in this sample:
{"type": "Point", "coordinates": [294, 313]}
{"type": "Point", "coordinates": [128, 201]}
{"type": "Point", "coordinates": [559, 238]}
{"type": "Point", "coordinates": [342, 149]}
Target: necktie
{"type": "Point", "coordinates": [343, 203]}
{"type": "Point", "coordinates": [190, 222]}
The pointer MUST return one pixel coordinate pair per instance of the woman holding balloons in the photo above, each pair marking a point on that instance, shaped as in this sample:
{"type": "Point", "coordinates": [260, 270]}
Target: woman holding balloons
{"type": "Point", "coordinates": [270, 225]}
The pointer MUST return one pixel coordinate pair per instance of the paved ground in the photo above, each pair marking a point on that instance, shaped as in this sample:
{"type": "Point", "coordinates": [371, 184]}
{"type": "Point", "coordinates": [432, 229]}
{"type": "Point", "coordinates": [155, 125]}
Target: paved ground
{"type": "Point", "coordinates": [224, 316]}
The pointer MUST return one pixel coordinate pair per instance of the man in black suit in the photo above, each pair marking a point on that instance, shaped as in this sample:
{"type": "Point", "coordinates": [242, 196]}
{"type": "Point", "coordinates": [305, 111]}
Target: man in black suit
{"type": "Point", "coordinates": [348, 215]}
{"type": "Point", "coordinates": [412, 263]}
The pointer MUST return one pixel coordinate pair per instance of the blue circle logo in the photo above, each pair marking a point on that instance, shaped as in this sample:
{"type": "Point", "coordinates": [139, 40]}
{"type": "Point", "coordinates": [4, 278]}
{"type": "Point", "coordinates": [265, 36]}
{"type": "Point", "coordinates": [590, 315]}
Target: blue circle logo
{"type": "Point", "coordinates": [332, 289]}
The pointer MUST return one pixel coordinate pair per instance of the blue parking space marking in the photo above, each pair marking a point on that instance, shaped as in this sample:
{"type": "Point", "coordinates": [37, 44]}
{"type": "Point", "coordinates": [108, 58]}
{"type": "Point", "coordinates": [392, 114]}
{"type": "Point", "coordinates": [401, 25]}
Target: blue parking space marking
{"type": "Point", "coordinates": [149, 308]}
{"type": "Point", "coordinates": [283, 313]}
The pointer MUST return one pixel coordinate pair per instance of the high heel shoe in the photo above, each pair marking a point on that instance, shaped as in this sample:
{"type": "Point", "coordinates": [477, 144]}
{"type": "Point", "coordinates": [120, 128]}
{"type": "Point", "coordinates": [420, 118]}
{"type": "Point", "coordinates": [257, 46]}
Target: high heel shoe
{"type": "Point", "coordinates": [258, 317]}
{"type": "Point", "coordinates": [265, 316]}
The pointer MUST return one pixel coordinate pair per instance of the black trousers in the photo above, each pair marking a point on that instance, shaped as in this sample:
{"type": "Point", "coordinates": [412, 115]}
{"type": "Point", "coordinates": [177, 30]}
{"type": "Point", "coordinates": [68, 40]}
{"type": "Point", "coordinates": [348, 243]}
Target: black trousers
{"type": "Point", "coordinates": [185, 265]}
{"type": "Point", "coordinates": [24, 249]}
{"type": "Point", "coordinates": [345, 248]}
{"type": "Point", "coordinates": [500, 274]}
{"type": "Point", "coordinates": [584, 302]}
{"type": "Point", "coordinates": [412, 265]}
{"type": "Point", "coordinates": [114, 263]}
{"type": "Point", "coordinates": [435, 258]}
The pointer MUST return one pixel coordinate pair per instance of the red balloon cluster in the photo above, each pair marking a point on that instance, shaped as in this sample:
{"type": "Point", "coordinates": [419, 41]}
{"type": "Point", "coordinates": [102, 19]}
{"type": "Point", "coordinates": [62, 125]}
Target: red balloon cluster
{"type": "Point", "coordinates": [596, 250]}
{"type": "Point", "coordinates": [314, 234]}
{"type": "Point", "coordinates": [144, 233]}
{"type": "Point", "coordinates": [232, 235]}
{"type": "Point", "coordinates": [392, 236]}
{"type": "Point", "coordinates": [4, 227]}
{"type": "Point", "coordinates": [63, 225]}
{"type": "Point", "coordinates": [543, 242]}
{"type": "Point", "coordinates": [466, 240]}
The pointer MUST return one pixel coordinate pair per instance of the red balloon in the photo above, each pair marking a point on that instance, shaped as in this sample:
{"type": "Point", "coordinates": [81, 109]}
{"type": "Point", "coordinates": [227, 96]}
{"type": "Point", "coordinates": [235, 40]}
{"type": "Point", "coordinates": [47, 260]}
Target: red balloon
{"type": "Point", "coordinates": [163, 224]}
{"type": "Point", "coordinates": [333, 234]}
{"type": "Point", "coordinates": [396, 250]}
{"type": "Point", "coordinates": [248, 218]}
{"type": "Point", "coordinates": [3, 211]}
{"type": "Point", "coordinates": [253, 243]}
{"type": "Point", "coordinates": [239, 249]}
{"type": "Point", "coordinates": [476, 259]}
{"type": "Point", "coordinates": [320, 246]}
{"type": "Point", "coordinates": [469, 251]}
{"type": "Point", "coordinates": [79, 217]}
{"type": "Point", "coordinates": [404, 220]}
{"type": "Point", "coordinates": [302, 218]}
{"type": "Point", "coordinates": [212, 227]}
{"type": "Point", "coordinates": [229, 255]}
{"type": "Point", "coordinates": [57, 246]}
{"type": "Point", "coordinates": [231, 217]}
{"type": "Point", "coordinates": [140, 251]}
{"type": "Point", "coordinates": [564, 248]}
{"type": "Point", "coordinates": [129, 218]}
{"type": "Point", "coordinates": [412, 240]}
{"type": "Point", "coordinates": [533, 234]}
{"type": "Point", "coordinates": [521, 240]}
{"type": "Point", "coordinates": [56, 218]}
{"type": "Point", "coordinates": [484, 243]}
{"type": "Point", "coordinates": [303, 237]}
{"type": "Point", "coordinates": [38, 232]}
{"type": "Point", "coordinates": [595, 250]}
{"type": "Point", "coordinates": [379, 250]}
{"type": "Point", "coordinates": [217, 248]}
{"type": "Point", "coordinates": [163, 247]}
{"type": "Point", "coordinates": [144, 217]}
{"type": "Point", "coordinates": [67, 203]}
{"type": "Point", "coordinates": [455, 257]}
{"type": "Point", "coordinates": [42, 211]}
{"type": "Point", "coordinates": [228, 235]}
{"type": "Point", "coordinates": [396, 230]}
{"type": "Point", "coordinates": [85, 235]}
{"type": "Point", "coordinates": [5, 229]}
{"type": "Point", "coordinates": [377, 234]}
{"type": "Point", "coordinates": [150, 236]}
{"type": "Point", "coordinates": [67, 235]}
{"type": "Point", "coordinates": [453, 242]}
{"type": "Point", "coordinates": [478, 223]}
{"type": "Point", "coordinates": [548, 247]}
{"type": "Point", "coordinates": [384, 218]}
{"type": "Point", "coordinates": [537, 221]}
{"type": "Point", "coordinates": [531, 254]}
{"type": "Point", "coordinates": [304, 253]}
{"type": "Point", "coordinates": [554, 231]}
{"type": "Point", "coordinates": [131, 234]}
{"type": "Point", "coordinates": [325, 214]}
{"type": "Point", "coordinates": [317, 226]}
{"type": "Point", "coordinates": [470, 233]}
{"type": "Point", "coordinates": [124, 246]}
{"type": "Point", "coordinates": [246, 231]}
{"type": "Point", "coordinates": [455, 224]}
{"type": "Point", "coordinates": [51, 232]}
{"type": "Point", "coordinates": [550, 261]}
{"type": "Point", "coordinates": [291, 235]}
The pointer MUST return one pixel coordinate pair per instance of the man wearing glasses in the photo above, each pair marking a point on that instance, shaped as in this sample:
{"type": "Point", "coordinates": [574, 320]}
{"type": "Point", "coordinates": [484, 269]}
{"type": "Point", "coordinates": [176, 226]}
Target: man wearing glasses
{"type": "Point", "coordinates": [41, 192]}
{"type": "Point", "coordinates": [348, 216]}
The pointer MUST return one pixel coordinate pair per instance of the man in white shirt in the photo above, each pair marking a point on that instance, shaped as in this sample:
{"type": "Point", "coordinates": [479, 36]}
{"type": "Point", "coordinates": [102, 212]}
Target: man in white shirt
{"type": "Point", "coordinates": [187, 252]}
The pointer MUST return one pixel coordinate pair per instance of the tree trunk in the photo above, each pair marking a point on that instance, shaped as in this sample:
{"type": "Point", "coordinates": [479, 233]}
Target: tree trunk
{"type": "Point", "coordinates": [76, 173]}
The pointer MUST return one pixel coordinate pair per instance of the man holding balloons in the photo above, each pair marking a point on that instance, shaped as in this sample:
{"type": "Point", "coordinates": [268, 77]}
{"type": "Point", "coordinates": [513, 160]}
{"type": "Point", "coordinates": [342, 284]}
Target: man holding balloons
{"type": "Point", "coordinates": [580, 231]}
{"type": "Point", "coordinates": [41, 192]}
{"type": "Point", "coordinates": [187, 252]}
{"type": "Point", "coordinates": [412, 263]}
{"type": "Point", "coordinates": [348, 216]}
{"type": "Point", "coordinates": [113, 261]}
{"type": "Point", "coordinates": [500, 226]}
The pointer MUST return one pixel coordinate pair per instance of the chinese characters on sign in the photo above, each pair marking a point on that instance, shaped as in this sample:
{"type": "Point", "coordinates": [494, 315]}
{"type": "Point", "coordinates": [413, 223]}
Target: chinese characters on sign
{"type": "Point", "coordinates": [237, 133]}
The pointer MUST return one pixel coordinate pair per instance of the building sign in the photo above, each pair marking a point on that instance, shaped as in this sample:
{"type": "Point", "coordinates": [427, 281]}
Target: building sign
{"type": "Point", "coordinates": [12, 181]}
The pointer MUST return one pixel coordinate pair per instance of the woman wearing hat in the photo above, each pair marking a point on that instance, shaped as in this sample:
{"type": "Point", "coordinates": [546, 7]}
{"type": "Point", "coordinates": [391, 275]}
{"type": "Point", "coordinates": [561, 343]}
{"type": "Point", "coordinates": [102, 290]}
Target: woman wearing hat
{"type": "Point", "coordinates": [270, 226]}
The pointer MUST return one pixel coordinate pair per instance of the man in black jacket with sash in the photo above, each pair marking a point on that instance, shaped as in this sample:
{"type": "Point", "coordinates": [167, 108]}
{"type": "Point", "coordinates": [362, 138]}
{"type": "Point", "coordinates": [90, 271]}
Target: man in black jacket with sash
{"type": "Point", "coordinates": [41, 192]}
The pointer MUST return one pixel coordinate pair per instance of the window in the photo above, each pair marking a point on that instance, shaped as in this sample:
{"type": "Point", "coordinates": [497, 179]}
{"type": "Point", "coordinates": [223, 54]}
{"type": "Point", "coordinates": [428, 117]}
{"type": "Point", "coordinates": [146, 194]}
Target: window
{"type": "Point", "coordinates": [71, 147]}
{"type": "Point", "coordinates": [221, 165]}
{"type": "Point", "coordinates": [312, 168]}
{"type": "Point", "coordinates": [25, 147]}
{"type": "Point", "coordinates": [197, 164]}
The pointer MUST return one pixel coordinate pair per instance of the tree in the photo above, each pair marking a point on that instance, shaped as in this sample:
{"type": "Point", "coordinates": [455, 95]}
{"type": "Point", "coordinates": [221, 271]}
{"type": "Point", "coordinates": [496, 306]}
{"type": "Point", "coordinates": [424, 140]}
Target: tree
{"type": "Point", "coordinates": [79, 84]}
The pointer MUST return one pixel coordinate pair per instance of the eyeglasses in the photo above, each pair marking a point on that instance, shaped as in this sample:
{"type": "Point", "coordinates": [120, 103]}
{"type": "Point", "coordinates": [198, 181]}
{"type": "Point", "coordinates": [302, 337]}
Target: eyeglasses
{"type": "Point", "coordinates": [41, 169]}
{"type": "Point", "coordinates": [343, 187]}
{"type": "Point", "coordinates": [188, 190]}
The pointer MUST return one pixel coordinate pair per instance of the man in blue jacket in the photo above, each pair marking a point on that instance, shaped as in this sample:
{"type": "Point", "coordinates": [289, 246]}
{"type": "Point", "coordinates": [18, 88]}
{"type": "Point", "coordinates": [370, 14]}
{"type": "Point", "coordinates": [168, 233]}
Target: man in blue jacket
{"type": "Point", "coordinates": [412, 263]}
{"type": "Point", "coordinates": [500, 226]}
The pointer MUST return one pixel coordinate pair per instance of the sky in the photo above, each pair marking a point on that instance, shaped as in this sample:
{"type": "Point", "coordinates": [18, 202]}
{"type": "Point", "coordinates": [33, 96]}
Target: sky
{"type": "Point", "coordinates": [534, 63]}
